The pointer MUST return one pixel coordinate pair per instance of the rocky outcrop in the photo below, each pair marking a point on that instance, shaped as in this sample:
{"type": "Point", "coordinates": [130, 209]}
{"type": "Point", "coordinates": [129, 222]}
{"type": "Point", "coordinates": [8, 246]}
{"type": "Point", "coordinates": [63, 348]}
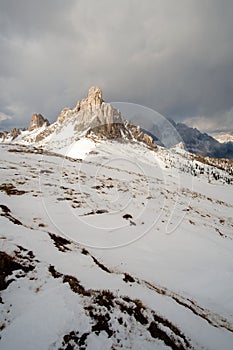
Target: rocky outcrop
{"type": "Point", "coordinates": [103, 116]}
{"type": "Point", "coordinates": [92, 102]}
{"type": "Point", "coordinates": [14, 133]}
{"type": "Point", "coordinates": [3, 135]}
{"type": "Point", "coordinates": [37, 121]}
{"type": "Point", "coordinates": [65, 114]}
{"type": "Point", "coordinates": [9, 136]}
{"type": "Point", "coordinates": [42, 135]}
{"type": "Point", "coordinates": [141, 136]}
{"type": "Point", "coordinates": [89, 105]}
{"type": "Point", "coordinates": [121, 131]}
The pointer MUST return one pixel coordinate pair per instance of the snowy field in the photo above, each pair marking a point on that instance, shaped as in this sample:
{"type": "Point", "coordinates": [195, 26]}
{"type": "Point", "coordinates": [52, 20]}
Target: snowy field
{"type": "Point", "coordinates": [121, 248]}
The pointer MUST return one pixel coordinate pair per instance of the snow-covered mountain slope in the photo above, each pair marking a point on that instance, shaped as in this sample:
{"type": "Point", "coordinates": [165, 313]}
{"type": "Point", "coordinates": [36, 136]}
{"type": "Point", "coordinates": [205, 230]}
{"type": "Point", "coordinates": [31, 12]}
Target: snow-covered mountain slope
{"type": "Point", "coordinates": [224, 137]}
{"type": "Point", "coordinates": [128, 248]}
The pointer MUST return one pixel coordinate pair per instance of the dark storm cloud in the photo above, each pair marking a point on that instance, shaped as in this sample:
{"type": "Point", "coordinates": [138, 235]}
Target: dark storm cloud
{"type": "Point", "coordinates": [175, 57]}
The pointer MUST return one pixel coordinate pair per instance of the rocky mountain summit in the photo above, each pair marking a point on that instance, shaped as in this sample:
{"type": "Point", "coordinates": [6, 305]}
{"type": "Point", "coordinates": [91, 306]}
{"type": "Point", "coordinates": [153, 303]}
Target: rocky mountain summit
{"type": "Point", "coordinates": [37, 121]}
{"type": "Point", "coordinates": [88, 105]}
{"type": "Point", "coordinates": [91, 118]}
{"type": "Point", "coordinates": [93, 101]}
{"type": "Point", "coordinates": [98, 119]}
{"type": "Point", "coordinates": [91, 112]}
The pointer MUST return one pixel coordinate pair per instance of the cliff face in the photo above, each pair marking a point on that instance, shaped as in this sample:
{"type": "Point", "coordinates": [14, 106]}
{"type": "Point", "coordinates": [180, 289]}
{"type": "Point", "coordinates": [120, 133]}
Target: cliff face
{"type": "Point", "coordinates": [92, 102]}
{"type": "Point", "coordinates": [105, 122]}
{"type": "Point", "coordinates": [85, 108]}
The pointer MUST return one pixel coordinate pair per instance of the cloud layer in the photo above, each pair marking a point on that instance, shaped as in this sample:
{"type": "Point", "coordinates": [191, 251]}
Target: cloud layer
{"type": "Point", "coordinates": [174, 57]}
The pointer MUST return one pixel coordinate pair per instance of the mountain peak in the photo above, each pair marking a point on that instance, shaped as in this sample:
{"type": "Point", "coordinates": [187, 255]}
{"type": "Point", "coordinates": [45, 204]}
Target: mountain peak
{"type": "Point", "coordinates": [94, 92]}
{"type": "Point", "coordinates": [91, 118]}
{"type": "Point", "coordinates": [37, 121]}
{"type": "Point", "coordinates": [93, 100]}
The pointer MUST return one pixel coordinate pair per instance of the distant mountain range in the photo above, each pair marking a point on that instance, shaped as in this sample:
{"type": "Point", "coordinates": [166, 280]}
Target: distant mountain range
{"type": "Point", "coordinates": [204, 144]}
{"type": "Point", "coordinates": [168, 133]}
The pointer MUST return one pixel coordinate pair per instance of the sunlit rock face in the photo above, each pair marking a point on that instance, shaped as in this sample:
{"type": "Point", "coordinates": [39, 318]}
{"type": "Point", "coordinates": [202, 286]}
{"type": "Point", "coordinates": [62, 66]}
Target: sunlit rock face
{"type": "Point", "coordinates": [37, 121]}
{"type": "Point", "coordinates": [99, 119]}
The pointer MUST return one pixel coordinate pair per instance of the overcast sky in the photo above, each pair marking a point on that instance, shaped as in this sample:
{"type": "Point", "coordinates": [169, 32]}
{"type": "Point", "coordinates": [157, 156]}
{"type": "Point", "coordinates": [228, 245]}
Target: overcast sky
{"type": "Point", "coordinates": [173, 56]}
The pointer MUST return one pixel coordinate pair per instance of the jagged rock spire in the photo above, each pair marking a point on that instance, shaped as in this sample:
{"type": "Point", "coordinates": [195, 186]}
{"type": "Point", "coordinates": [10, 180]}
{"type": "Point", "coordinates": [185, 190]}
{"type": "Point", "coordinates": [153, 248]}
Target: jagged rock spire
{"type": "Point", "coordinates": [37, 121]}
{"type": "Point", "coordinates": [93, 100]}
